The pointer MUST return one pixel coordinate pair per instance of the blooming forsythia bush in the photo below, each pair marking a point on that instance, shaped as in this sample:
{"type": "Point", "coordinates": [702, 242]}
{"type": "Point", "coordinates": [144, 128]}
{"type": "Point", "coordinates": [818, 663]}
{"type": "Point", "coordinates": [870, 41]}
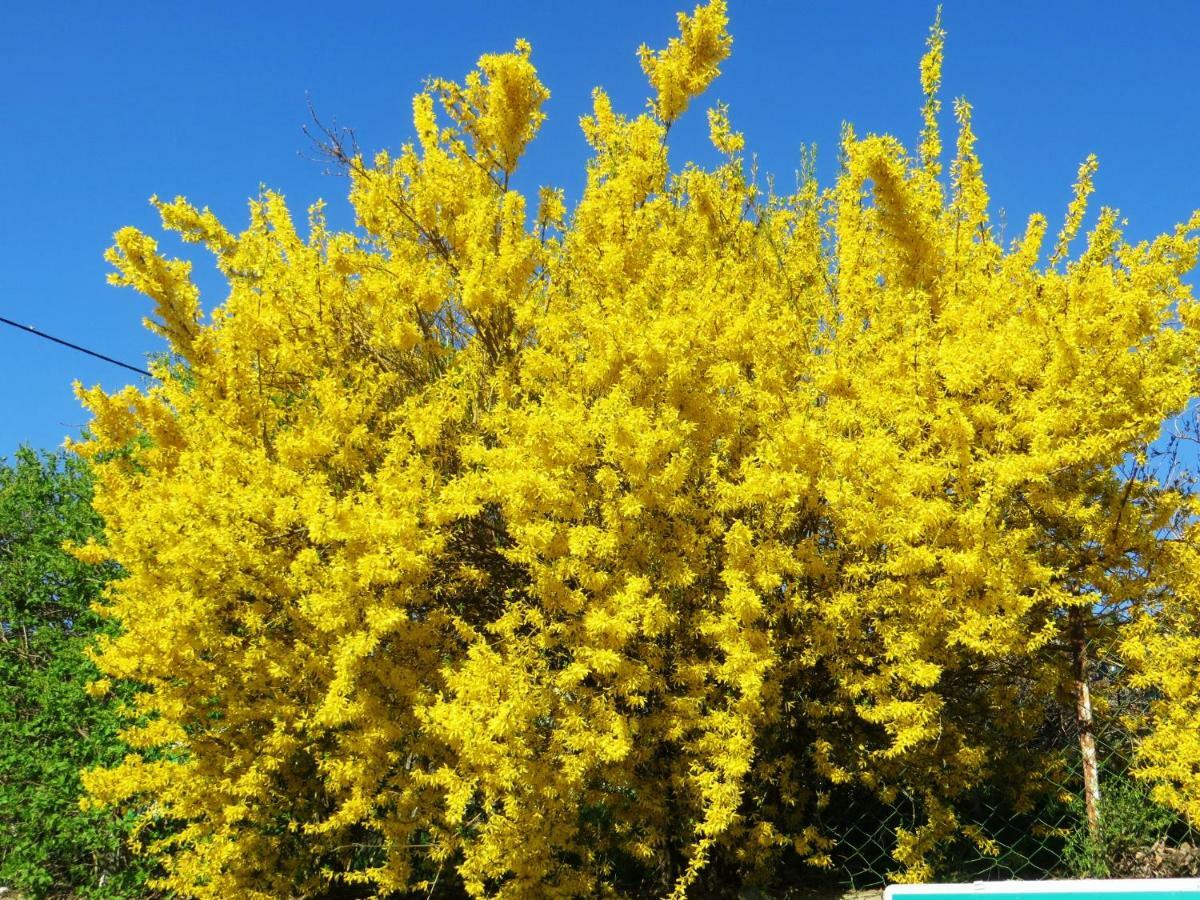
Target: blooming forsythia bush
{"type": "Point", "coordinates": [564, 553]}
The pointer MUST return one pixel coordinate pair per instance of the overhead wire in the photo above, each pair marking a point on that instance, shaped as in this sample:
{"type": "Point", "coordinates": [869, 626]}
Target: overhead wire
{"type": "Point", "coordinates": [29, 329]}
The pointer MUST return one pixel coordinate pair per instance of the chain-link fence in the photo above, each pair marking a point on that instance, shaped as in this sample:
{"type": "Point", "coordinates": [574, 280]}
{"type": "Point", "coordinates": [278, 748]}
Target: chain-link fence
{"type": "Point", "coordinates": [1048, 836]}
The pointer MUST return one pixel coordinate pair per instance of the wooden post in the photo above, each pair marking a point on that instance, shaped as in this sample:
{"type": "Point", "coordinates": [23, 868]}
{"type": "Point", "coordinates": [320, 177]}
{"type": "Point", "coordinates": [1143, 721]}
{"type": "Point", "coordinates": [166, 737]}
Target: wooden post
{"type": "Point", "coordinates": [1083, 718]}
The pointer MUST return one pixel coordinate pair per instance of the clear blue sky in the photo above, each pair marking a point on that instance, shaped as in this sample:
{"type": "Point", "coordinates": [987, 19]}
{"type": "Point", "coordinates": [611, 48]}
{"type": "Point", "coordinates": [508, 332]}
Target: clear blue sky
{"type": "Point", "coordinates": [106, 104]}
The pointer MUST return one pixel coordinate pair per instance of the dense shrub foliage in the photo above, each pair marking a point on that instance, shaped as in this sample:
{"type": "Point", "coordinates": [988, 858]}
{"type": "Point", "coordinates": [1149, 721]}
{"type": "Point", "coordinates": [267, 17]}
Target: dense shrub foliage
{"type": "Point", "coordinates": [572, 553]}
{"type": "Point", "coordinates": [50, 727]}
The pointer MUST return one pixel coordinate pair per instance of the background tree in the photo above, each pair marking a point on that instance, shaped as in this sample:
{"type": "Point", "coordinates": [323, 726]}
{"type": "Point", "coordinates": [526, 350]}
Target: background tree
{"type": "Point", "coordinates": [50, 727]}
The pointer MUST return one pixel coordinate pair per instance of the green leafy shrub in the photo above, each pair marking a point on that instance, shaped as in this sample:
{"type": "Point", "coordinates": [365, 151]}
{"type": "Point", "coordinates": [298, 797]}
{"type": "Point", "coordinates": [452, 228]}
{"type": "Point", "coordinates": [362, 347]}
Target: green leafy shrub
{"type": "Point", "coordinates": [50, 727]}
{"type": "Point", "coordinates": [1130, 823]}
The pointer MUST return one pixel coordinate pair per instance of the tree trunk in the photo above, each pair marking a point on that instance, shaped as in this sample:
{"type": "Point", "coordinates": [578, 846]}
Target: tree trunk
{"type": "Point", "coordinates": [1083, 718]}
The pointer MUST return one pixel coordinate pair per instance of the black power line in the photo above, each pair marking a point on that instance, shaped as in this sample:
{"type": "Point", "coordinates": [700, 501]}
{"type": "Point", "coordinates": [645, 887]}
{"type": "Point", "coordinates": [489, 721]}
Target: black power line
{"type": "Point", "coordinates": [108, 359]}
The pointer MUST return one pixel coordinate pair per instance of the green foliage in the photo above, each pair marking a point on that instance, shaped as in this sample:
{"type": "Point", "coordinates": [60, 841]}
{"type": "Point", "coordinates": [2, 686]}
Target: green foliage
{"type": "Point", "coordinates": [1129, 821]}
{"type": "Point", "coordinates": [50, 727]}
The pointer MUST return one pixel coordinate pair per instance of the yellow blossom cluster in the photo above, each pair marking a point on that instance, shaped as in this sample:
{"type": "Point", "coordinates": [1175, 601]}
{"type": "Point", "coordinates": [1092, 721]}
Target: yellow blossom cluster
{"type": "Point", "coordinates": [584, 552]}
